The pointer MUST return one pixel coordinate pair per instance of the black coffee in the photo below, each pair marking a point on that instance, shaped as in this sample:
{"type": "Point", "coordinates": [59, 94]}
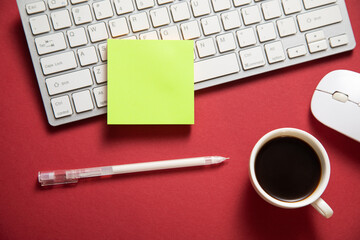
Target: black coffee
{"type": "Point", "coordinates": [287, 168]}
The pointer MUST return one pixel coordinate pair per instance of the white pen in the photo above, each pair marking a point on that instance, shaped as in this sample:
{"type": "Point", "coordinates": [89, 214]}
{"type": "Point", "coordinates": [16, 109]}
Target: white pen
{"type": "Point", "coordinates": [72, 176]}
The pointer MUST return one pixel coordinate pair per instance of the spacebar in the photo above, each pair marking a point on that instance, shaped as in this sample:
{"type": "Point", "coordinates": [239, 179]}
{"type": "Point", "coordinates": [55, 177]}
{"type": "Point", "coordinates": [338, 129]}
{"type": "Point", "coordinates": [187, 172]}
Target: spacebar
{"type": "Point", "coordinates": [215, 67]}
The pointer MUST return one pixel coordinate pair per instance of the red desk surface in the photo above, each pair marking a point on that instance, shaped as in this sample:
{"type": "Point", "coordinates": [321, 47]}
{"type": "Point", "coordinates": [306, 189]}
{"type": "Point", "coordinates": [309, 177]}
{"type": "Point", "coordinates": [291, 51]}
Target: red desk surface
{"type": "Point", "coordinates": [198, 203]}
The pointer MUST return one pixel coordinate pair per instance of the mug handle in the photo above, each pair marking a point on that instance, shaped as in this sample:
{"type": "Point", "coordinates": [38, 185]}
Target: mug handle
{"type": "Point", "coordinates": [322, 207]}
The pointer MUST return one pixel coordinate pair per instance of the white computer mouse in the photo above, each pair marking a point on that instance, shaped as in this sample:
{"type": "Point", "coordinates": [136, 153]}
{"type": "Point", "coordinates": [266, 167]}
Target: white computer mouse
{"type": "Point", "coordinates": [336, 102]}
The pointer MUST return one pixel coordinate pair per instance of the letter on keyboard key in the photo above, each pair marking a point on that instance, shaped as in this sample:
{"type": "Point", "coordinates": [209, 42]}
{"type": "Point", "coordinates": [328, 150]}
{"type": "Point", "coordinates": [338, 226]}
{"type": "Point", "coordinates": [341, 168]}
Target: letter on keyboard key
{"type": "Point", "coordinates": [139, 22]}
{"type": "Point", "coordinates": [100, 73]}
{"type": "Point", "coordinates": [251, 15]}
{"type": "Point", "coordinates": [159, 17]}
{"type": "Point", "coordinates": [200, 7]}
{"type": "Point", "coordinates": [68, 82]}
{"type": "Point", "coordinates": [98, 32]}
{"type": "Point", "coordinates": [319, 18]}
{"type": "Point", "coordinates": [190, 30]}
{"type": "Point", "coordinates": [220, 5]}
{"type": "Point", "coordinates": [170, 33]}
{"type": "Point", "coordinates": [58, 63]}
{"type": "Point", "coordinates": [252, 58]}
{"type": "Point", "coordinates": [215, 67]}
{"type": "Point", "coordinates": [180, 12]}
{"type": "Point", "coordinates": [50, 43]}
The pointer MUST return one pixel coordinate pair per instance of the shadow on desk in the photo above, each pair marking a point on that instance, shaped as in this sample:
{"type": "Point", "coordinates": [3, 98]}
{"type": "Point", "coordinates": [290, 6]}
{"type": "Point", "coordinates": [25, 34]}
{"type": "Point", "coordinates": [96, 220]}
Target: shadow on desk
{"type": "Point", "coordinates": [266, 221]}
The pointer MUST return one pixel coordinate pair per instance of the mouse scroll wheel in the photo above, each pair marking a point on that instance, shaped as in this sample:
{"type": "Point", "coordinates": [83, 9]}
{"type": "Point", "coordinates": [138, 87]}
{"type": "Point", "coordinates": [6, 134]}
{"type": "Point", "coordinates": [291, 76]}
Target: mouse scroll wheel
{"type": "Point", "coordinates": [342, 97]}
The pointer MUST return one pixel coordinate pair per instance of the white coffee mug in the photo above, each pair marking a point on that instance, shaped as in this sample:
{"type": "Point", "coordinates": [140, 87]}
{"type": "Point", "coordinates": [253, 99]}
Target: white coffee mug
{"type": "Point", "coordinates": [314, 198]}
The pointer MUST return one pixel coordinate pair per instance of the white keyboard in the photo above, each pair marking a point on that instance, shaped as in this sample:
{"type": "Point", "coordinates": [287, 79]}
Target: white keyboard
{"type": "Point", "coordinates": [233, 39]}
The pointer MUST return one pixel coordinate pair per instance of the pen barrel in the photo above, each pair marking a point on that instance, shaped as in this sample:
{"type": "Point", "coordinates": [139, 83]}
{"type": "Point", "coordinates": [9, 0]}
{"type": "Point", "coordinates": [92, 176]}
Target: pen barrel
{"type": "Point", "coordinates": [160, 165]}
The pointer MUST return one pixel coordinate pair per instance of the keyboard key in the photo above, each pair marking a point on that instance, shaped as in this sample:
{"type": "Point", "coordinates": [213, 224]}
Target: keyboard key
{"type": "Point", "coordinates": [60, 19]}
{"type": "Point", "coordinates": [275, 52]}
{"type": "Point", "coordinates": [210, 25]}
{"type": "Point", "coordinates": [160, 2]}
{"type": "Point", "coordinates": [316, 3]}
{"type": "Point", "coordinates": [98, 32]}
{"type": "Point", "coordinates": [102, 9]}
{"type": "Point", "coordinates": [317, 46]}
{"type": "Point", "coordinates": [170, 33]}
{"type": "Point", "coordinates": [190, 30]}
{"type": "Point", "coordinates": [78, 1]}
{"type": "Point", "coordinates": [291, 6]}
{"type": "Point", "coordinates": [246, 37]}
{"type": "Point", "coordinates": [139, 22]}
{"type": "Point", "coordinates": [319, 18]}
{"type": "Point", "coordinates": [271, 9]}
{"type": "Point", "coordinates": [50, 43]}
{"type": "Point", "coordinates": [82, 14]}
{"type": "Point", "coordinates": [315, 36]}
{"type": "Point", "coordinates": [100, 73]}
{"type": "Point", "coordinates": [286, 27]}
{"type": "Point", "coordinates": [100, 94]}
{"type": "Point", "coordinates": [123, 6]}
{"type": "Point", "coordinates": [238, 3]}
{"type": "Point", "coordinates": [58, 63]}
{"type": "Point", "coordinates": [103, 51]}
{"type": "Point", "coordinates": [53, 4]}
{"type": "Point", "coordinates": [35, 7]}
{"type": "Point", "coordinates": [159, 17]}
{"type": "Point", "coordinates": [77, 37]}
{"type": "Point", "coordinates": [252, 58]}
{"type": "Point", "coordinates": [200, 7]}
{"type": "Point", "coordinates": [220, 5]}
{"type": "Point", "coordinates": [119, 27]}
{"type": "Point", "coordinates": [68, 82]}
{"type": "Point", "coordinates": [339, 40]}
{"type": "Point", "coordinates": [225, 42]}
{"type": "Point", "coordinates": [205, 47]}
{"type": "Point", "coordinates": [143, 4]}
{"type": "Point", "coordinates": [83, 101]}
{"type": "Point", "coordinates": [149, 36]}
{"type": "Point", "coordinates": [215, 67]}
{"type": "Point", "coordinates": [266, 32]}
{"type": "Point", "coordinates": [39, 24]}
{"type": "Point", "coordinates": [180, 11]}
{"type": "Point", "coordinates": [61, 106]}
{"type": "Point", "coordinates": [130, 38]}
{"type": "Point", "coordinates": [251, 15]}
{"type": "Point", "coordinates": [297, 51]}
{"type": "Point", "coordinates": [87, 56]}
{"type": "Point", "coordinates": [230, 20]}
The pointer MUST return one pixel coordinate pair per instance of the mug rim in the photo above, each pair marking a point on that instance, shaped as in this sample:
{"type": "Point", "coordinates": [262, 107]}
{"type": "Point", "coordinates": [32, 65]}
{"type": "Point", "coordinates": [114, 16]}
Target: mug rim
{"type": "Point", "coordinates": [318, 148]}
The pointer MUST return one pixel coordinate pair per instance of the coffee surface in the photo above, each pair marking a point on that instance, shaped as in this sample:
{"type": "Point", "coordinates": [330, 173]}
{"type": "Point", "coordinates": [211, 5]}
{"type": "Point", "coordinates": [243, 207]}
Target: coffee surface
{"type": "Point", "coordinates": [288, 169]}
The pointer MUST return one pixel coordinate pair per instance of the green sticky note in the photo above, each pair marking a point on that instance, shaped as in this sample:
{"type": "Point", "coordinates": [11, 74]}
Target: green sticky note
{"type": "Point", "coordinates": [150, 82]}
